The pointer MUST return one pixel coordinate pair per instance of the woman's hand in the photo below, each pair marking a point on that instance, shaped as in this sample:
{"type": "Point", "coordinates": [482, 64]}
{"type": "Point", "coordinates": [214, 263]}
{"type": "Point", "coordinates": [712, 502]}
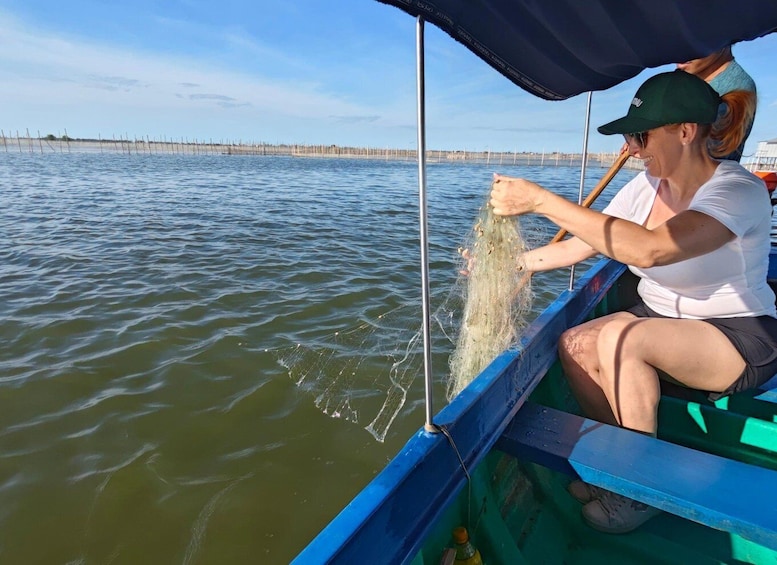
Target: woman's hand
{"type": "Point", "coordinates": [513, 197]}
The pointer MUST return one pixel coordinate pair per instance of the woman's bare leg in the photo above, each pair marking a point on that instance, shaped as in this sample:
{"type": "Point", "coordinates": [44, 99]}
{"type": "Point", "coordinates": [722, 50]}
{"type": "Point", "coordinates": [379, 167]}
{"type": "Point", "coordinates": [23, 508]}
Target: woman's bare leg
{"type": "Point", "coordinates": [611, 363]}
{"type": "Point", "coordinates": [630, 351]}
{"type": "Point", "coordinates": [580, 360]}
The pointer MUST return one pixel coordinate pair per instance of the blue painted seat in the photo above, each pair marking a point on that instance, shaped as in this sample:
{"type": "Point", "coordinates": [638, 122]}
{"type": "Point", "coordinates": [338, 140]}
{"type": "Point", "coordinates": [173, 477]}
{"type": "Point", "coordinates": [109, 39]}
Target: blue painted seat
{"type": "Point", "coordinates": [718, 492]}
{"type": "Point", "coordinates": [769, 395]}
{"type": "Point", "coordinates": [770, 385]}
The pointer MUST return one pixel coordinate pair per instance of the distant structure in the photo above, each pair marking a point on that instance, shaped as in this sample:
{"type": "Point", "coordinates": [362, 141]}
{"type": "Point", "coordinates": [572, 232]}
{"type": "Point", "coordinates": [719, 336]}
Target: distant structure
{"type": "Point", "coordinates": [139, 146]}
{"type": "Point", "coordinates": [766, 155]}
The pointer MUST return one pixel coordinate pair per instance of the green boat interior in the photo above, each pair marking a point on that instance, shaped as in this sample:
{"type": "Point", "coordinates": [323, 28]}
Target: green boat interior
{"type": "Point", "coordinates": [518, 510]}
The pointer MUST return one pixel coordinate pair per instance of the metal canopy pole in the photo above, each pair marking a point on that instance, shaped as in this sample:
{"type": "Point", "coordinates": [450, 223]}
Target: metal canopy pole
{"type": "Point", "coordinates": [420, 99]}
{"type": "Point", "coordinates": [582, 172]}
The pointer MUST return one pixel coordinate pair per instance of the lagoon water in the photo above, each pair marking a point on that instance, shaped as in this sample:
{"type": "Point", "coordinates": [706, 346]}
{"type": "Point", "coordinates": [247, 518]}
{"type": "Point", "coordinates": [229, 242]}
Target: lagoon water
{"type": "Point", "coordinates": [151, 308]}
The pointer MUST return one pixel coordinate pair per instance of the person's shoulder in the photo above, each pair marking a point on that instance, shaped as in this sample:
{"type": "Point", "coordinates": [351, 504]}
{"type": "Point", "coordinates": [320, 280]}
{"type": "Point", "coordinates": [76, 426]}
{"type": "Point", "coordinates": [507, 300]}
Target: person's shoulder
{"type": "Point", "coordinates": [734, 175]}
{"type": "Point", "coordinates": [733, 77]}
{"type": "Point", "coordinates": [727, 166]}
{"type": "Point", "coordinates": [743, 76]}
{"type": "Point", "coordinates": [733, 191]}
{"type": "Point", "coordinates": [732, 169]}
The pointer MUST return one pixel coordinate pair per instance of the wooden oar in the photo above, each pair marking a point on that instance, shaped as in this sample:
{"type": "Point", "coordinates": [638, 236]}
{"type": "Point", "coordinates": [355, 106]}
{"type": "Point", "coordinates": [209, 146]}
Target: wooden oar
{"type": "Point", "coordinates": [594, 194]}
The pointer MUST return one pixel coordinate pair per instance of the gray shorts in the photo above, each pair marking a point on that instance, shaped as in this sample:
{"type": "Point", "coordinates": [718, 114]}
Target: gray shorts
{"type": "Point", "coordinates": [755, 338]}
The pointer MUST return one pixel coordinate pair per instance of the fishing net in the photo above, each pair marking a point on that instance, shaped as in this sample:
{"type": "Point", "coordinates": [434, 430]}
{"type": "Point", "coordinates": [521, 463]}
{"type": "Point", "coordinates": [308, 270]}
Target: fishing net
{"type": "Point", "coordinates": [496, 295]}
{"type": "Point", "coordinates": [364, 373]}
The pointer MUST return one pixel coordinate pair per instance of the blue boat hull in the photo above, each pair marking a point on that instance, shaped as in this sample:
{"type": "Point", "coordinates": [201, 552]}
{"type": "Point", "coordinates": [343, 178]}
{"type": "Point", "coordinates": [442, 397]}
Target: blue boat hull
{"type": "Point", "coordinates": [406, 513]}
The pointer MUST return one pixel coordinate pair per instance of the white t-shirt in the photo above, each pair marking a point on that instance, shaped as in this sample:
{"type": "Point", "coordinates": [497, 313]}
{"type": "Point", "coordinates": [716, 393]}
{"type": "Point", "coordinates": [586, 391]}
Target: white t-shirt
{"type": "Point", "coordinates": [727, 282]}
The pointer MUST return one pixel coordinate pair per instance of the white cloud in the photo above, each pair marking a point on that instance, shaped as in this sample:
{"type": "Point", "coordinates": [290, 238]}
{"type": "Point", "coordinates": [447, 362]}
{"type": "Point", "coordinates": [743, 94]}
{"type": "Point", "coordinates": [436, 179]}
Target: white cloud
{"type": "Point", "coordinates": [47, 70]}
{"type": "Point", "coordinates": [349, 87]}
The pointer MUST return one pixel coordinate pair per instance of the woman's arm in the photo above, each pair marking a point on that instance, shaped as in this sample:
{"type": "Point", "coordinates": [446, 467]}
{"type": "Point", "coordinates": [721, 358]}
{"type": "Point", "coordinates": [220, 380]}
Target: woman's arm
{"type": "Point", "coordinates": [556, 255]}
{"type": "Point", "coordinates": [688, 234]}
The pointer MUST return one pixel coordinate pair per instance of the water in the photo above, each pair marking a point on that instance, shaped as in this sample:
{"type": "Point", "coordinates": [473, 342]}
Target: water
{"type": "Point", "coordinates": [146, 301]}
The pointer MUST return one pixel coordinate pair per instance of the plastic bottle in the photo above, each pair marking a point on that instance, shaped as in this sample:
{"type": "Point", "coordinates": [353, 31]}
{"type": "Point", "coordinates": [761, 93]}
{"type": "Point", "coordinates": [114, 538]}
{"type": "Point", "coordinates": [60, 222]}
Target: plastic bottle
{"type": "Point", "coordinates": [466, 553]}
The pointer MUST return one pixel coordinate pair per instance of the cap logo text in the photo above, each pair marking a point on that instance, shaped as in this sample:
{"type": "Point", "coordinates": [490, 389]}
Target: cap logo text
{"type": "Point", "coordinates": [636, 102]}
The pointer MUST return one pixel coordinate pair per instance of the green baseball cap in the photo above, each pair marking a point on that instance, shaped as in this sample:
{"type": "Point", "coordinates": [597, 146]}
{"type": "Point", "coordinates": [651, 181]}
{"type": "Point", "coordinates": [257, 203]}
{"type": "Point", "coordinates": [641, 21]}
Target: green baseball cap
{"type": "Point", "coordinates": [675, 97]}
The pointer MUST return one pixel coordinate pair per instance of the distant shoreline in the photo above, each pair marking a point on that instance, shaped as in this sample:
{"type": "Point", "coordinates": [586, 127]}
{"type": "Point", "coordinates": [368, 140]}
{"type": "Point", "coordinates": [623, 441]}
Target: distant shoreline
{"type": "Point", "coordinates": [50, 144]}
{"type": "Point", "coordinates": [150, 147]}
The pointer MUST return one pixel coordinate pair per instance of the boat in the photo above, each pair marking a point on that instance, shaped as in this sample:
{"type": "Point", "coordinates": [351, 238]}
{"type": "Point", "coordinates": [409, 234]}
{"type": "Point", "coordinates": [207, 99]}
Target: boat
{"type": "Point", "coordinates": [497, 459]}
{"type": "Point", "coordinates": [770, 180]}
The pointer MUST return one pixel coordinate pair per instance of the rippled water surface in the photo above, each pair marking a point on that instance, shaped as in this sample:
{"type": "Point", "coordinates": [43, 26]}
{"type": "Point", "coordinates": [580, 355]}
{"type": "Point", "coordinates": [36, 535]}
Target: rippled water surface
{"type": "Point", "coordinates": [146, 302]}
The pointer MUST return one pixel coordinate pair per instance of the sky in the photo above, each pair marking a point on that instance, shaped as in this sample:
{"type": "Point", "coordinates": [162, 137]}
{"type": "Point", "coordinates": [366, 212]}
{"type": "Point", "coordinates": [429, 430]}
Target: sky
{"type": "Point", "coordinates": [288, 71]}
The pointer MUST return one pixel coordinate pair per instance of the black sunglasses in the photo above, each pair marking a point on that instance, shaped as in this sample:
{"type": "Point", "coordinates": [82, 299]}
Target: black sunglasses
{"type": "Point", "coordinates": [640, 138]}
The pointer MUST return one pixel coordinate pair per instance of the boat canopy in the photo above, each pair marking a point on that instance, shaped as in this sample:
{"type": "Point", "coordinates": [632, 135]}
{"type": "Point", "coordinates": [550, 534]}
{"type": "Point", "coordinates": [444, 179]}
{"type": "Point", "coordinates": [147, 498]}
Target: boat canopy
{"type": "Point", "coordinates": [556, 49]}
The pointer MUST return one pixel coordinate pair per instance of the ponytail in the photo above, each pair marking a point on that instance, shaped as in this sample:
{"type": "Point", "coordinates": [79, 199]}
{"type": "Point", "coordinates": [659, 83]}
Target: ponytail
{"type": "Point", "coordinates": [731, 128]}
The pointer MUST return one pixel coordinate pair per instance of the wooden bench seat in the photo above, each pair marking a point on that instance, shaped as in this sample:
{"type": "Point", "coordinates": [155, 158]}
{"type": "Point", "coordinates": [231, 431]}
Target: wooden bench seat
{"type": "Point", "coordinates": [718, 492]}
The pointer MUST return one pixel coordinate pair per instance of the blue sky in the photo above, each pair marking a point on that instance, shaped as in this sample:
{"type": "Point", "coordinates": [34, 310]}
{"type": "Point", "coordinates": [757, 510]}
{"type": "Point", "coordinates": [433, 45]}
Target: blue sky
{"type": "Point", "coordinates": [286, 71]}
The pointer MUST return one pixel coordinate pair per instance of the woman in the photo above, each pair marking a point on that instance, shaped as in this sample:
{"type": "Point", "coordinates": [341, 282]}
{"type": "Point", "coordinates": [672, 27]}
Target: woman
{"type": "Point", "coordinates": [696, 232]}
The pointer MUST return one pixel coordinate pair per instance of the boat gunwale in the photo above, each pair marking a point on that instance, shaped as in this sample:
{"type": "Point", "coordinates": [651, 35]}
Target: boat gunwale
{"type": "Point", "coordinates": [376, 522]}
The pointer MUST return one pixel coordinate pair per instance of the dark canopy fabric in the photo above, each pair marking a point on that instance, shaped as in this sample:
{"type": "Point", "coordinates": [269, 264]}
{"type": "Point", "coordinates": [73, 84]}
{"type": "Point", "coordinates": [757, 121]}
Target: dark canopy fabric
{"type": "Point", "coordinates": [559, 48]}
